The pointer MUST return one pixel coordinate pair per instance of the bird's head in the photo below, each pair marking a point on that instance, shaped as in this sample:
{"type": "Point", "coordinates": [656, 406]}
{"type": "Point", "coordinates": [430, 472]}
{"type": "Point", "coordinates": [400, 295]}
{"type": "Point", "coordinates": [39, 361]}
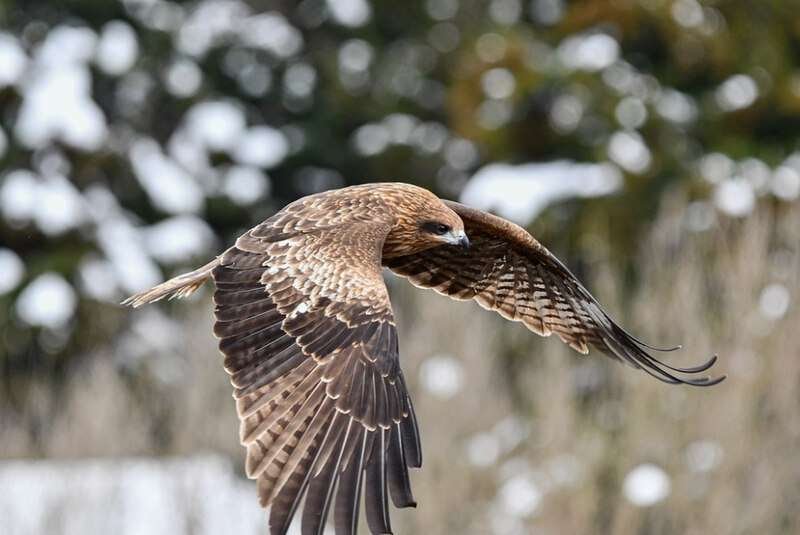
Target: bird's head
{"type": "Point", "coordinates": [423, 221]}
{"type": "Point", "coordinates": [442, 226]}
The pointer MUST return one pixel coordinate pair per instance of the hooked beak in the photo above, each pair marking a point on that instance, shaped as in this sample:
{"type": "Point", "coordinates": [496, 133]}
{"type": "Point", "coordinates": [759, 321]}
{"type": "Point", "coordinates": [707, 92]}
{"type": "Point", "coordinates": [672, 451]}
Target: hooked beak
{"type": "Point", "coordinates": [458, 239]}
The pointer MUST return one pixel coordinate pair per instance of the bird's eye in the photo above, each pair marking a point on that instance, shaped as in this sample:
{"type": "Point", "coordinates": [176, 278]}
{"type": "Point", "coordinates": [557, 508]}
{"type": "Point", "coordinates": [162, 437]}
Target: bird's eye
{"type": "Point", "coordinates": [436, 228]}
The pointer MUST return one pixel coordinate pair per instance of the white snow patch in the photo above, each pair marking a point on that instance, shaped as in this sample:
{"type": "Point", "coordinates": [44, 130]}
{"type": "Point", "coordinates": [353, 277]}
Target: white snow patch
{"type": "Point", "coordinates": [355, 56]}
{"type": "Point", "coordinates": [498, 83]}
{"type": "Point", "coordinates": [631, 113]}
{"type": "Point", "coordinates": [169, 187]}
{"type": "Point", "coordinates": [737, 92]}
{"type": "Point", "coordinates": [98, 280]}
{"type": "Point", "coordinates": [178, 239]}
{"type": "Point", "coordinates": [117, 49]}
{"type": "Point", "coordinates": [628, 149]}
{"type": "Point", "coordinates": [688, 13]}
{"type": "Point", "coordinates": [18, 196]}
{"type": "Point", "coordinates": [273, 33]}
{"type": "Point", "coordinates": [219, 125]}
{"type": "Point", "coordinates": [442, 375]}
{"type": "Point", "coordinates": [12, 270]}
{"type": "Point", "coordinates": [183, 78]}
{"type": "Point", "coordinates": [716, 167]}
{"type": "Point", "coordinates": [461, 153]}
{"type": "Point", "coordinates": [352, 13]}
{"type": "Point", "coordinates": [566, 113]}
{"type": "Point", "coordinates": [123, 246]}
{"type": "Point", "coordinates": [371, 139]}
{"type": "Point", "coordinates": [483, 449]}
{"type": "Point", "coordinates": [209, 22]}
{"type": "Point", "coordinates": [646, 485]}
{"type": "Point", "coordinates": [52, 203]}
{"type": "Point", "coordinates": [57, 102]}
{"type": "Point", "coordinates": [589, 52]}
{"type": "Point", "coordinates": [189, 153]}
{"type": "Point", "coordinates": [59, 207]}
{"type": "Point", "coordinates": [735, 197]}
{"type": "Point", "coordinates": [522, 192]}
{"type": "Point", "coordinates": [67, 44]}
{"type": "Point", "coordinates": [245, 185]}
{"type": "Point", "coordinates": [520, 496]}
{"type": "Point", "coordinates": [48, 301]}
{"type": "Point", "coordinates": [786, 183]}
{"type": "Point", "coordinates": [774, 301]}
{"type": "Point", "coordinates": [261, 146]}
{"type": "Point", "coordinates": [676, 106]}
{"type": "Point", "coordinates": [12, 60]}
{"type": "Point", "coordinates": [128, 496]}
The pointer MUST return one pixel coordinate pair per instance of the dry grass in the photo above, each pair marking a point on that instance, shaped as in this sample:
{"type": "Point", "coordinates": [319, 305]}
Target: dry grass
{"type": "Point", "coordinates": [573, 427]}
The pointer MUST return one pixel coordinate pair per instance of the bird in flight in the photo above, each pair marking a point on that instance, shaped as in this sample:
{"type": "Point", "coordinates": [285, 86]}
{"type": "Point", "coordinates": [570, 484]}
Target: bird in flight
{"type": "Point", "coordinates": [306, 327]}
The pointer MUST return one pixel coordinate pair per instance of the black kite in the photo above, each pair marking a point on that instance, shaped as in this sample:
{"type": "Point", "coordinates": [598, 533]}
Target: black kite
{"type": "Point", "coordinates": [309, 338]}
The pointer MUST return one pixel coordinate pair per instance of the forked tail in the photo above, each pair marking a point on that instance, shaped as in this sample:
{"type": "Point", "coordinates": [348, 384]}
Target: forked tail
{"type": "Point", "coordinates": [180, 286]}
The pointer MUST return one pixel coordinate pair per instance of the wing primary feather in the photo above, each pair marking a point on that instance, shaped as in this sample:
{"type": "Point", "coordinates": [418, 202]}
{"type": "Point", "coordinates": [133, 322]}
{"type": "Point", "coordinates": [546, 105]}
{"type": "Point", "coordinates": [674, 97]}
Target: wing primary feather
{"type": "Point", "coordinates": [351, 447]}
{"type": "Point", "coordinates": [279, 365]}
{"type": "Point", "coordinates": [695, 369]}
{"type": "Point", "coordinates": [247, 406]}
{"type": "Point", "coordinates": [410, 431]}
{"type": "Point", "coordinates": [376, 500]}
{"type": "Point", "coordinates": [329, 444]}
{"type": "Point", "coordinates": [348, 496]}
{"type": "Point", "coordinates": [320, 493]}
{"type": "Point", "coordinates": [301, 395]}
{"type": "Point", "coordinates": [639, 342]}
{"type": "Point", "coordinates": [643, 361]}
{"type": "Point", "coordinates": [399, 483]}
{"type": "Point", "coordinates": [306, 443]}
{"type": "Point", "coordinates": [637, 347]}
{"type": "Point", "coordinates": [283, 521]}
{"type": "Point", "coordinates": [369, 399]}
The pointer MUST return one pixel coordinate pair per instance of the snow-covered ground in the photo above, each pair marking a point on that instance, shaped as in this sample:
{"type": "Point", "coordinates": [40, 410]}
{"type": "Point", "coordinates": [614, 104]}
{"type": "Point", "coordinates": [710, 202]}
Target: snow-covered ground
{"type": "Point", "coordinates": [147, 496]}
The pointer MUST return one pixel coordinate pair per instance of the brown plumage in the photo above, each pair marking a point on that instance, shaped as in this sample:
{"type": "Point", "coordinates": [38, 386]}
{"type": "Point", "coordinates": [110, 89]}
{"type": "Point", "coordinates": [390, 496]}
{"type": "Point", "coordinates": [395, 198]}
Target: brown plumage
{"type": "Point", "coordinates": [309, 339]}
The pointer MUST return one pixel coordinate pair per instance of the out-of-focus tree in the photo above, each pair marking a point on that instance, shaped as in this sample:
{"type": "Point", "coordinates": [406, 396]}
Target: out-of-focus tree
{"type": "Point", "coordinates": [138, 136]}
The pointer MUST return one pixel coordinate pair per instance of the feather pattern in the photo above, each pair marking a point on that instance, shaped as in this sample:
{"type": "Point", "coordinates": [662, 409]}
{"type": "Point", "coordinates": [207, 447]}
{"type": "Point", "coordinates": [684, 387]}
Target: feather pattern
{"type": "Point", "coordinates": [313, 357]}
{"type": "Point", "coordinates": [506, 270]}
{"type": "Point", "coordinates": [308, 337]}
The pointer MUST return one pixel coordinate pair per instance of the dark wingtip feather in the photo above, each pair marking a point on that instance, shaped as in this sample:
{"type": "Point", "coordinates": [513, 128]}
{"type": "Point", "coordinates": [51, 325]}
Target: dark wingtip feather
{"type": "Point", "coordinates": [658, 369]}
{"type": "Point", "coordinates": [693, 369]}
{"type": "Point", "coordinates": [648, 346]}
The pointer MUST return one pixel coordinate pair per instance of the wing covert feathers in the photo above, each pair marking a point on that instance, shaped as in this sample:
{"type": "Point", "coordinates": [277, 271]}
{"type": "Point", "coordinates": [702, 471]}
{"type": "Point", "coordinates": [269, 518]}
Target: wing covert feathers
{"type": "Point", "coordinates": [325, 415]}
{"type": "Point", "coordinates": [506, 270]}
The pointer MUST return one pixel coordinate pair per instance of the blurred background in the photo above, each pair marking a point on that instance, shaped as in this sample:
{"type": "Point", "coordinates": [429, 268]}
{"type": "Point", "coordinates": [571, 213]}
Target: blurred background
{"type": "Point", "coordinates": [651, 144]}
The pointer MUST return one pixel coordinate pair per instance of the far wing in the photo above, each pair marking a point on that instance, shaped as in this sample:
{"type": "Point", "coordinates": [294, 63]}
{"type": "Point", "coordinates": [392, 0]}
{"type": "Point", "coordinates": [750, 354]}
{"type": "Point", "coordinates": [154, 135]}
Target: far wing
{"type": "Point", "coordinates": [309, 339]}
{"type": "Point", "coordinates": [506, 270]}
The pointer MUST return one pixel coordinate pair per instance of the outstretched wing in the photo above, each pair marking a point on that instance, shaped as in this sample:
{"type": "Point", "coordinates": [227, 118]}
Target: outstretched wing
{"type": "Point", "coordinates": [508, 271]}
{"type": "Point", "coordinates": [309, 339]}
